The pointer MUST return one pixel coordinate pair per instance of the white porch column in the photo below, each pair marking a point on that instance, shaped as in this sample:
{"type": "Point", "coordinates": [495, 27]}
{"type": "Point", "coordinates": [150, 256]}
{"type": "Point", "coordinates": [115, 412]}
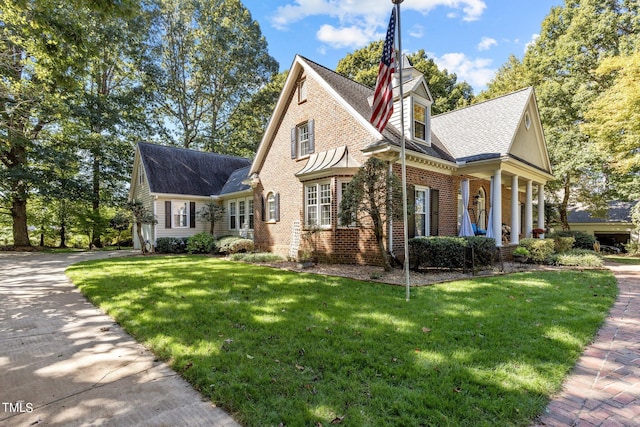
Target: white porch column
{"type": "Point", "coordinates": [528, 210]}
{"type": "Point", "coordinates": [515, 212]}
{"type": "Point", "coordinates": [541, 207]}
{"type": "Point", "coordinates": [497, 206]}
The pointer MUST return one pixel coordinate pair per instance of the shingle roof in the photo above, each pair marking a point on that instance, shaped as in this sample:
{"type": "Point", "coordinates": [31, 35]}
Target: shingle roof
{"type": "Point", "coordinates": [172, 170]}
{"type": "Point", "coordinates": [234, 183]}
{"type": "Point", "coordinates": [484, 130]}
{"type": "Point", "coordinates": [619, 211]}
{"type": "Point", "coordinates": [480, 131]}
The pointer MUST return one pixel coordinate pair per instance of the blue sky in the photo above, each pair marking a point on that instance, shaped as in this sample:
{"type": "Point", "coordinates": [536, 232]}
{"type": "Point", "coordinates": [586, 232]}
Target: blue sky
{"type": "Point", "coordinates": [471, 38]}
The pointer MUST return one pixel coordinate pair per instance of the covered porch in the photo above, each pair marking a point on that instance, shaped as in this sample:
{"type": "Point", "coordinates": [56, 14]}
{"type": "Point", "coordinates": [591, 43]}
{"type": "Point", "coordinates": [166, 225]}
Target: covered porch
{"type": "Point", "coordinates": [501, 197]}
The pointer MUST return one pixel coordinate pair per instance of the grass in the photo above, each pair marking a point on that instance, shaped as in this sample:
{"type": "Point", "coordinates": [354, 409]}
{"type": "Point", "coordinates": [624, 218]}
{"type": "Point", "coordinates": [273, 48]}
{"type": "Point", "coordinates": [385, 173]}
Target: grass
{"type": "Point", "coordinates": [623, 259]}
{"type": "Point", "coordinates": [272, 346]}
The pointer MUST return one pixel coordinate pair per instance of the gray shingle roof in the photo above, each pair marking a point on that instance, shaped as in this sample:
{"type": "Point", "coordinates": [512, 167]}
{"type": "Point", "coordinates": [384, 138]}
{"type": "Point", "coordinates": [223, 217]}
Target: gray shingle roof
{"type": "Point", "coordinates": [619, 211]}
{"type": "Point", "coordinates": [234, 183]}
{"type": "Point", "coordinates": [476, 132]}
{"type": "Point", "coordinates": [484, 130]}
{"type": "Point", "coordinates": [172, 170]}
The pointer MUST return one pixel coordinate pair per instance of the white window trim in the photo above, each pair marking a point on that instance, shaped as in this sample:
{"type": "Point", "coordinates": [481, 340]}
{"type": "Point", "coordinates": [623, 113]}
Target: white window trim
{"type": "Point", "coordinates": [300, 141]}
{"type": "Point", "coordinates": [248, 212]}
{"type": "Point", "coordinates": [303, 89]}
{"type": "Point", "coordinates": [269, 217]}
{"type": "Point", "coordinates": [233, 202]}
{"type": "Point", "coordinates": [174, 205]}
{"type": "Point", "coordinates": [427, 209]}
{"type": "Point", "coordinates": [318, 205]}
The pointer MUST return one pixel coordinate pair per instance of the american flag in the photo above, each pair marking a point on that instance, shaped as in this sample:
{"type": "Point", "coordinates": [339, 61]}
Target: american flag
{"type": "Point", "coordinates": [383, 95]}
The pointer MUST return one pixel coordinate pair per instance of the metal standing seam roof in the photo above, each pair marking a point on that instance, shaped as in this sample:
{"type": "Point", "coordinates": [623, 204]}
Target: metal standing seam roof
{"type": "Point", "coordinates": [173, 170]}
{"type": "Point", "coordinates": [337, 157]}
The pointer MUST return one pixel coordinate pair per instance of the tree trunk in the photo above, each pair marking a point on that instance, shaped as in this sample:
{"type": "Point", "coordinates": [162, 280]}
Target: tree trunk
{"type": "Point", "coordinates": [19, 216]}
{"type": "Point", "coordinates": [63, 236]}
{"type": "Point", "coordinates": [564, 205]}
{"type": "Point", "coordinates": [143, 247]}
{"type": "Point", "coordinates": [95, 201]}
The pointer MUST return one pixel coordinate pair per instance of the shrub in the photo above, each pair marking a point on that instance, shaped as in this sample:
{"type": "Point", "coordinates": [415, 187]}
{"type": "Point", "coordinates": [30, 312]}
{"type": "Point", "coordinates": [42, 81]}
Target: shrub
{"type": "Point", "coordinates": [234, 244]}
{"type": "Point", "coordinates": [171, 245]}
{"type": "Point", "coordinates": [632, 248]}
{"type": "Point", "coordinates": [257, 257]}
{"type": "Point", "coordinates": [450, 252]}
{"type": "Point", "coordinates": [564, 244]}
{"type": "Point", "coordinates": [583, 240]}
{"type": "Point", "coordinates": [201, 243]}
{"type": "Point", "coordinates": [522, 251]}
{"type": "Point", "coordinates": [540, 249]}
{"type": "Point", "coordinates": [578, 258]}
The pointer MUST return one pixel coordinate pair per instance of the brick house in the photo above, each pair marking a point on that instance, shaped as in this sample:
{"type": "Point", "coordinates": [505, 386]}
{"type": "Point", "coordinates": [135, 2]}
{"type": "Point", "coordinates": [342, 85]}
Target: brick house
{"type": "Point", "coordinates": [319, 135]}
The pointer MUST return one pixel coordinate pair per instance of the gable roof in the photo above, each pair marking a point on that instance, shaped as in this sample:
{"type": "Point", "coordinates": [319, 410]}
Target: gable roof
{"type": "Point", "coordinates": [172, 170]}
{"type": "Point", "coordinates": [618, 211]}
{"type": "Point", "coordinates": [482, 131]}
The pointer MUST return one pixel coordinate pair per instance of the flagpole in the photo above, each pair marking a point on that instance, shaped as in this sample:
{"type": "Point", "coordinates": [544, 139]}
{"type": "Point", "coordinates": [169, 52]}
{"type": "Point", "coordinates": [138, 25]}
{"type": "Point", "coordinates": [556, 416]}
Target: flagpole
{"type": "Point", "coordinates": [405, 219]}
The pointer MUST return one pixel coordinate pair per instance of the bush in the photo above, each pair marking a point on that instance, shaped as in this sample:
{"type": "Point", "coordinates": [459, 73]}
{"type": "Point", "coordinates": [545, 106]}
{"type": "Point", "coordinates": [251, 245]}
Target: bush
{"type": "Point", "coordinates": [450, 252]}
{"type": "Point", "coordinates": [578, 258]}
{"type": "Point", "coordinates": [201, 243]}
{"type": "Point", "coordinates": [234, 244]}
{"type": "Point", "coordinates": [171, 245]}
{"type": "Point", "coordinates": [564, 244]}
{"type": "Point", "coordinates": [633, 248]}
{"type": "Point", "coordinates": [539, 249]}
{"type": "Point", "coordinates": [583, 240]}
{"type": "Point", "coordinates": [257, 257]}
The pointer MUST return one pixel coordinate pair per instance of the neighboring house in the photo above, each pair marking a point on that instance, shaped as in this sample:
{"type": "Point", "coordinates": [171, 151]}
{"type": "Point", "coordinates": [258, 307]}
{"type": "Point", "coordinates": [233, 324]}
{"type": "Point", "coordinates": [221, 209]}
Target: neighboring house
{"type": "Point", "coordinates": [319, 135]}
{"type": "Point", "coordinates": [175, 183]}
{"type": "Point", "coordinates": [614, 229]}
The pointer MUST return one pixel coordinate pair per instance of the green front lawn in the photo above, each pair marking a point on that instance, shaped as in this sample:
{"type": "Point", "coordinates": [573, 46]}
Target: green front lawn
{"type": "Point", "coordinates": [623, 259]}
{"type": "Point", "coordinates": [272, 346]}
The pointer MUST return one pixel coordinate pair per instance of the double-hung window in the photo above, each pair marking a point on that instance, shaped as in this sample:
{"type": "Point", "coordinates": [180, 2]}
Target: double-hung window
{"type": "Point", "coordinates": [419, 121]}
{"type": "Point", "coordinates": [241, 213]}
{"type": "Point", "coordinates": [422, 211]}
{"type": "Point", "coordinates": [180, 214]}
{"type": "Point", "coordinates": [302, 140]}
{"type": "Point", "coordinates": [318, 204]}
{"type": "Point", "coordinates": [250, 204]}
{"type": "Point", "coordinates": [342, 187]}
{"type": "Point", "coordinates": [233, 218]}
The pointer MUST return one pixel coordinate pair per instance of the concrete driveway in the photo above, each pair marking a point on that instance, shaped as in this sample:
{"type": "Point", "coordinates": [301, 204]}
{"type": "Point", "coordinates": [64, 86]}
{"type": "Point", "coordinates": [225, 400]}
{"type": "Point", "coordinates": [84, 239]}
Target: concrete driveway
{"type": "Point", "coordinates": [64, 362]}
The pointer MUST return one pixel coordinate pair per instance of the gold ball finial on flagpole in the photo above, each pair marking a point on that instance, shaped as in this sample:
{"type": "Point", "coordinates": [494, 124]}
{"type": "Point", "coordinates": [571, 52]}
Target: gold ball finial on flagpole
{"type": "Point", "coordinates": [396, 1]}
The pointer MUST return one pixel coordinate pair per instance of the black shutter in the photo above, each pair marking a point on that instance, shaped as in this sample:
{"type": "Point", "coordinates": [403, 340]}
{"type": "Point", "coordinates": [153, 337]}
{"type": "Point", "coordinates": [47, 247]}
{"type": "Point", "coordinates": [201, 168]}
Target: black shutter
{"type": "Point", "coordinates": [411, 208]}
{"type": "Point", "coordinates": [312, 144]}
{"type": "Point", "coordinates": [294, 143]}
{"type": "Point", "coordinates": [263, 214]}
{"type": "Point", "coordinates": [167, 214]}
{"type": "Point", "coordinates": [434, 215]}
{"type": "Point", "coordinates": [277, 215]}
{"type": "Point", "coordinates": [192, 214]}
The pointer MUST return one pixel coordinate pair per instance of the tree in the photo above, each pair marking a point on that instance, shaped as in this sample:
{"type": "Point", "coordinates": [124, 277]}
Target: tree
{"type": "Point", "coordinates": [212, 57]}
{"type": "Point", "coordinates": [119, 222]}
{"type": "Point", "coordinates": [248, 123]}
{"type": "Point", "coordinates": [211, 212]}
{"type": "Point", "coordinates": [613, 118]}
{"type": "Point", "coordinates": [140, 216]}
{"type": "Point", "coordinates": [40, 48]}
{"type": "Point", "coordinates": [574, 39]}
{"type": "Point", "coordinates": [362, 66]}
{"type": "Point", "coordinates": [372, 199]}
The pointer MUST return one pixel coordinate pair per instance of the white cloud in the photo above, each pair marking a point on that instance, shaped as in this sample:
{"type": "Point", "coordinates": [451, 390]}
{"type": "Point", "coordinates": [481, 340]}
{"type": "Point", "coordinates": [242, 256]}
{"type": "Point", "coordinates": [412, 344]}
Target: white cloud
{"type": "Point", "coordinates": [350, 37]}
{"type": "Point", "coordinates": [476, 72]}
{"type": "Point", "coordinates": [486, 43]}
{"type": "Point", "coordinates": [349, 12]}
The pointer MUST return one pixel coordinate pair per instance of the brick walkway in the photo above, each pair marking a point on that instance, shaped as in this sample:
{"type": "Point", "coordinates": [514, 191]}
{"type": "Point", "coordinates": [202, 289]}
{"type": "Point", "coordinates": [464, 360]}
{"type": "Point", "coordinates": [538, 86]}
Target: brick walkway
{"type": "Point", "coordinates": [604, 387]}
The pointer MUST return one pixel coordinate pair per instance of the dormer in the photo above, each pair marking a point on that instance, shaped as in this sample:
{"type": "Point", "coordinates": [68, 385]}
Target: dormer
{"type": "Point", "coordinates": [417, 104]}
